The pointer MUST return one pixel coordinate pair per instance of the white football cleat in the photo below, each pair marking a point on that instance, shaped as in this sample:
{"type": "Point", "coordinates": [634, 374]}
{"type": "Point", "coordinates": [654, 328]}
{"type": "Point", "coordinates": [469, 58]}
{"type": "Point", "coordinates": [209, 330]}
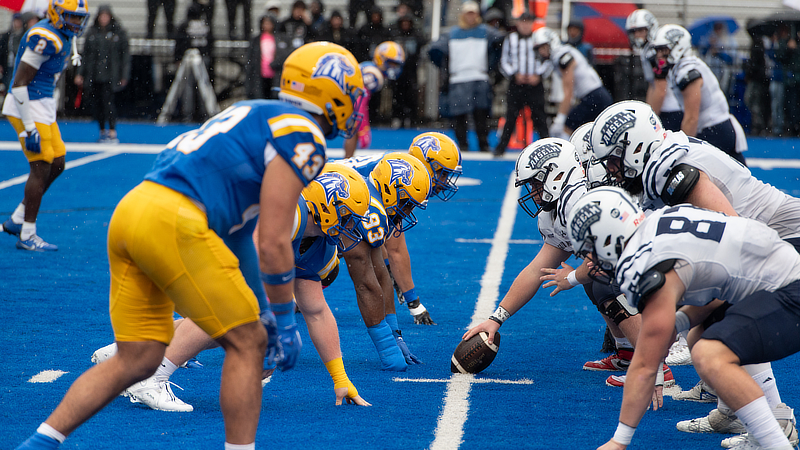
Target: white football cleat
{"type": "Point", "coordinates": [157, 395]}
{"type": "Point", "coordinates": [786, 420]}
{"type": "Point", "coordinates": [701, 392]}
{"type": "Point", "coordinates": [104, 353]}
{"type": "Point", "coordinates": [715, 422]}
{"type": "Point", "coordinates": [679, 354]}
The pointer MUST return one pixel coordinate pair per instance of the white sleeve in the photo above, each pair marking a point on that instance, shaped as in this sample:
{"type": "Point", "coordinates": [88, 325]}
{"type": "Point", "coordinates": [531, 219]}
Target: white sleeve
{"type": "Point", "coordinates": [33, 59]}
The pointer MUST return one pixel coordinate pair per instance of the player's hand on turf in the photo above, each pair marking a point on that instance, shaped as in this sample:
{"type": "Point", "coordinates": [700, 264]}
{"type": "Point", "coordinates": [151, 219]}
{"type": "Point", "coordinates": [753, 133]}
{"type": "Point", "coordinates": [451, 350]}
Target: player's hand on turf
{"type": "Point", "coordinates": [291, 343]}
{"type": "Point", "coordinates": [423, 319]}
{"type": "Point", "coordinates": [32, 141]}
{"type": "Point", "coordinates": [488, 325]}
{"type": "Point", "coordinates": [274, 349]}
{"type": "Point", "coordinates": [420, 314]}
{"type": "Point", "coordinates": [658, 397]}
{"type": "Point", "coordinates": [343, 394]}
{"type": "Point", "coordinates": [612, 445]}
{"type": "Point", "coordinates": [410, 358]}
{"type": "Point", "coordinates": [557, 278]}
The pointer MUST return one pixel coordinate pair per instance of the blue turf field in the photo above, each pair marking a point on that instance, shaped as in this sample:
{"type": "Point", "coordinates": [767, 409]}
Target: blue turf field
{"type": "Point", "coordinates": [55, 310]}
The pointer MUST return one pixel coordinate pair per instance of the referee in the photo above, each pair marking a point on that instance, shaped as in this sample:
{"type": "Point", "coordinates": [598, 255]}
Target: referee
{"type": "Point", "coordinates": [519, 63]}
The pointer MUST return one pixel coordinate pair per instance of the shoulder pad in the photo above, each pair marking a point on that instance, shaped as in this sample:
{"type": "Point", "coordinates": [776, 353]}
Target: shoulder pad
{"type": "Point", "coordinates": [44, 42]}
{"type": "Point", "coordinates": [680, 182]}
{"type": "Point", "coordinates": [687, 79]}
{"type": "Point", "coordinates": [653, 280]}
{"type": "Point", "coordinates": [565, 60]}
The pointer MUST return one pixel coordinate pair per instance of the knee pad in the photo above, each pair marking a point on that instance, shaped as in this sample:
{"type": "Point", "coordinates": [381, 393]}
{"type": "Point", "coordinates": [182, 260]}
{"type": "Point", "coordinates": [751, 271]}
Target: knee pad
{"type": "Point", "coordinates": [617, 309]}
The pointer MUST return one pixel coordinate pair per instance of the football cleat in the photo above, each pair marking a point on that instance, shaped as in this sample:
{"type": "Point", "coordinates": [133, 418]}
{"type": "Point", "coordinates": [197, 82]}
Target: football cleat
{"type": "Point", "coordinates": [619, 380]}
{"type": "Point", "coordinates": [12, 228]}
{"type": "Point", "coordinates": [192, 364]}
{"type": "Point", "coordinates": [104, 353]}
{"type": "Point", "coordinates": [785, 416]}
{"type": "Point", "coordinates": [619, 361]}
{"type": "Point", "coordinates": [679, 354]}
{"type": "Point", "coordinates": [715, 422]}
{"type": "Point", "coordinates": [36, 244]}
{"type": "Point", "coordinates": [701, 392]}
{"type": "Point", "coordinates": [157, 395]}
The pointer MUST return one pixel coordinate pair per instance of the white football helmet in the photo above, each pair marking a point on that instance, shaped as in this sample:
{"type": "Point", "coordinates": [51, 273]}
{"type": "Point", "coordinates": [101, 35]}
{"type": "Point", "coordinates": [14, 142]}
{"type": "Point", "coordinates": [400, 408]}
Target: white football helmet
{"type": "Point", "coordinates": [596, 174]}
{"type": "Point", "coordinates": [546, 168]}
{"type": "Point", "coordinates": [600, 224]}
{"type": "Point", "coordinates": [641, 18]}
{"type": "Point", "coordinates": [546, 35]}
{"type": "Point", "coordinates": [677, 39]}
{"type": "Point", "coordinates": [628, 131]}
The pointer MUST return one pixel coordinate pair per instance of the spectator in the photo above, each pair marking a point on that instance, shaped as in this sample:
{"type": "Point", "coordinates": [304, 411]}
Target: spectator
{"type": "Point", "coordinates": [260, 56]}
{"type": "Point", "coordinates": [776, 86]}
{"type": "Point", "coordinates": [233, 8]}
{"type": "Point", "coordinates": [575, 38]}
{"type": "Point", "coordinates": [524, 70]}
{"type": "Point", "coordinates": [756, 94]}
{"type": "Point", "coordinates": [206, 9]}
{"type": "Point", "coordinates": [334, 31]}
{"type": "Point", "coordinates": [106, 69]}
{"type": "Point", "coordinates": [789, 56]}
{"type": "Point", "coordinates": [718, 50]}
{"type": "Point", "coordinates": [152, 14]}
{"type": "Point", "coordinates": [405, 104]}
{"type": "Point", "coordinates": [370, 35]}
{"type": "Point", "coordinates": [465, 55]}
{"type": "Point", "coordinates": [297, 26]}
{"type": "Point", "coordinates": [9, 43]}
{"type": "Point", "coordinates": [356, 6]}
{"type": "Point", "coordinates": [317, 10]}
{"type": "Point", "coordinates": [496, 19]}
{"type": "Point", "coordinates": [274, 9]}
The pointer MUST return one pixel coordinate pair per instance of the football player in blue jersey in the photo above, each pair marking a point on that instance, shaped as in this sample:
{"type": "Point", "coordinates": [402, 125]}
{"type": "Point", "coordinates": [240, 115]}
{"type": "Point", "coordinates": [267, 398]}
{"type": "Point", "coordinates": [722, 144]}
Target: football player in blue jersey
{"type": "Point", "coordinates": [31, 109]}
{"type": "Point", "coordinates": [398, 183]}
{"type": "Point", "coordinates": [181, 241]}
{"type": "Point", "coordinates": [326, 215]}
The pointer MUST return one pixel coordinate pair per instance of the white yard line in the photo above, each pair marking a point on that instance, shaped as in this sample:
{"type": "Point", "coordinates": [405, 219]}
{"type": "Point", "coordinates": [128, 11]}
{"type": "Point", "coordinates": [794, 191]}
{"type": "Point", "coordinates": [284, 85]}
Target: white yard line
{"type": "Point", "coordinates": [476, 380]}
{"type": "Point", "coordinates": [450, 425]}
{"type": "Point", "coordinates": [47, 376]}
{"type": "Point", "coordinates": [491, 241]}
{"type": "Point", "coordinates": [69, 165]}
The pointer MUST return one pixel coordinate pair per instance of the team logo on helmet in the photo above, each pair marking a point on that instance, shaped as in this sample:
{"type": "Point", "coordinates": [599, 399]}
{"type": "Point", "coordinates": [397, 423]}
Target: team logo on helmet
{"type": "Point", "coordinates": [334, 67]}
{"type": "Point", "coordinates": [428, 143]}
{"type": "Point", "coordinates": [584, 218]}
{"type": "Point", "coordinates": [542, 155]}
{"type": "Point", "coordinates": [615, 126]}
{"type": "Point", "coordinates": [334, 185]}
{"type": "Point", "coordinates": [401, 170]}
{"type": "Point", "coordinates": [673, 35]}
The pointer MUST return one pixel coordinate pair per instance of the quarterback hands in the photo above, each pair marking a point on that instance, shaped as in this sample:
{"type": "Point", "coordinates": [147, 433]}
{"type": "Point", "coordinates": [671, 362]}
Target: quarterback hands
{"type": "Point", "coordinates": [557, 278]}
{"type": "Point", "coordinates": [488, 325]}
{"type": "Point", "coordinates": [32, 140]}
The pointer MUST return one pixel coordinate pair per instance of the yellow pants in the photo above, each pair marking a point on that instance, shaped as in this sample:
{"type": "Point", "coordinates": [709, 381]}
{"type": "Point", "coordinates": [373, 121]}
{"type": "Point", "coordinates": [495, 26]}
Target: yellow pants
{"type": "Point", "coordinates": [164, 258]}
{"type": "Point", "coordinates": [51, 142]}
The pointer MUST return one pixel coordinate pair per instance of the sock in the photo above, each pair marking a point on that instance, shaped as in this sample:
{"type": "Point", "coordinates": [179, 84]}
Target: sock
{"type": "Point", "coordinates": [165, 370]}
{"type": "Point", "coordinates": [761, 424]}
{"type": "Point", "coordinates": [240, 446]}
{"type": "Point", "coordinates": [28, 230]}
{"type": "Point", "coordinates": [724, 408]}
{"type": "Point", "coordinates": [623, 343]}
{"type": "Point", "coordinates": [391, 320]}
{"type": "Point", "coordinates": [50, 432]}
{"type": "Point", "coordinates": [762, 374]}
{"type": "Point", "coordinates": [19, 214]}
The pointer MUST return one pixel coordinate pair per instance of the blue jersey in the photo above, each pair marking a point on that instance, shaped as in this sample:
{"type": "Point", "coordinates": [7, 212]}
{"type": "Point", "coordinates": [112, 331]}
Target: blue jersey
{"type": "Point", "coordinates": [317, 258]}
{"type": "Point", "coordinates": [363, 164]}
{"type": "Point", "coordinates": [375, 228]}
{"type": "Point", "coordinates": [221, 164]}
{"type": "Point", "coordinates": [46, 40]}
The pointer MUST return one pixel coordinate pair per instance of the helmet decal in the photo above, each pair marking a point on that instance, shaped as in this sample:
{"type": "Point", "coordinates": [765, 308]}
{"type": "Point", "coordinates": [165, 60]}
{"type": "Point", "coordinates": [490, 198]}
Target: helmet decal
{"type": "Point", "coordinates": [615, 126]}
{"type": "Point", "coordinates": [543, 154]}
{"type": "Point", "coordinates": [401, 170]}
{"type": "Point", "coordinates": [335, 67]}
{"type": "Point", "coordinates": [428, 143]}
{"type": "Point", "coordinates": [334, 185]}
{"type": "Point", "coordinates": [584, 218]}
{"type": "Point", "coordinates": [674, 35]}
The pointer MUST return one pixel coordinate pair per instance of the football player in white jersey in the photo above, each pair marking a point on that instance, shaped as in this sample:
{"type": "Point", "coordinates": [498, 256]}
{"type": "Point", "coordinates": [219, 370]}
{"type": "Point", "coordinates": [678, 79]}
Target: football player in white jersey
{"type": "Point", "coordinates": [670, 168]}
{"type": "Point", "coordinates": [579, 80]}
{"type": "Point", "coordinates": [642, 26]}
{"type": "Point", "coordinates": [683, 255]}
{"type": "Point", "coordinates": [705, 107]}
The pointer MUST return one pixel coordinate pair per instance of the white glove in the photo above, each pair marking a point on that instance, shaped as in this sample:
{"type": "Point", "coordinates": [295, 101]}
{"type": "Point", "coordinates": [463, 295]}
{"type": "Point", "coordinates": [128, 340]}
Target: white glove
{"type": "Point", "coordinates": [557, 127]}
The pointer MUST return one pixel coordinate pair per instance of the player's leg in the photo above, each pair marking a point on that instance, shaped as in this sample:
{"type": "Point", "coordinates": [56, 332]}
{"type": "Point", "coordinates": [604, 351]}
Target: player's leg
{"type": "Point", "coordinates": [619, 320]}
{"type": "Point", "coordinates": [390, 314]}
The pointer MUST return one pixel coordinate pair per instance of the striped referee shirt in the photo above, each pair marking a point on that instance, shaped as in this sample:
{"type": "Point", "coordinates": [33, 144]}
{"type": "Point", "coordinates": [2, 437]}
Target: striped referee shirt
{"type": "Point", "coordinates": [518, 56]}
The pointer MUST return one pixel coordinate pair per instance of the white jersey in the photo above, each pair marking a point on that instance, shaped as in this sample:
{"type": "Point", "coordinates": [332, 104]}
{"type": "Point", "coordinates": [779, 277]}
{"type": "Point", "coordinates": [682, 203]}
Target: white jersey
{"type": "Point", "coordinates": [670, 103]}
{"type": "Point", "coordinates": [713, 104]}
{"type": "Point", "coordinates": [553, 224]}
{"type": "Point", "coordinates": [585, 79]}
{"type": "Point", "coordinates": [718, 256]}
{"type": "Point", "coordinates": [749, 196]}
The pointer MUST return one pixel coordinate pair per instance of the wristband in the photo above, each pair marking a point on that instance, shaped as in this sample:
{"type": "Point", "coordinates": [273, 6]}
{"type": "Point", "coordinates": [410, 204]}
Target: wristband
{"type": "Point", "coordinates": [682, 322]}
{"type": "Point", "coordinates": [572, 279]}
{"type": "Point", "coordinates": [410, 295]}
{"type": "Point", "coordinates": [278, 278]}
{"type": "Point", "coordinates": [500, 315]}
{"type": "Point", "coordinates": [624, 434]}
{"type": "Point", "coordinates": [336, 370]}
{"type": "Point", "coordinates": [419, 309]}
{"type": "Point", "coordinates": [660, 376]}
{"type": "Point", "coordinates": [20, 93]}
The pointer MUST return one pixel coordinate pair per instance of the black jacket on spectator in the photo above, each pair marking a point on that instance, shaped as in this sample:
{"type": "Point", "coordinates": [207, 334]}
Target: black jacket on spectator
{"type": "Point", "coordinates": [105, 56]}
{"type": "Point", "coordinates": [369, 36]}
{"type": "Point", "coordinates": [407, 36]}
{"type": "Point", "coordinates": [194, 33]}
{"type": "Point", "coordinates": [341, 36]}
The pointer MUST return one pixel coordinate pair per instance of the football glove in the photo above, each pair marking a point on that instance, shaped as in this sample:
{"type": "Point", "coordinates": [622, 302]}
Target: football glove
{"type": "Point", "coordinates": [291, 344]}
{"type": "Point", "coordinates": [274, 349]}
{"type": "Point", "coordinates": [420, 314]}
{"type": "Point", "coordinates": [32, 141]}
{"type": "Point", "coordinates": [410, 358]}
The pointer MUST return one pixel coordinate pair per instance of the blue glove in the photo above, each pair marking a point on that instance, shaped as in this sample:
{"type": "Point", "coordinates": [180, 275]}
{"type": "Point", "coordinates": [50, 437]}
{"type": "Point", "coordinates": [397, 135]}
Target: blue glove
{"type": "Point", "coordinates": [291, 343]}
{"type": "Point", "coordinates": [32, 141]}
{"type": "Point", "coordinates": [410, 358]}
{"type": "Point", "coordinates": [274, 349]}
{"type": "Point", "coordinates": [39, 442]}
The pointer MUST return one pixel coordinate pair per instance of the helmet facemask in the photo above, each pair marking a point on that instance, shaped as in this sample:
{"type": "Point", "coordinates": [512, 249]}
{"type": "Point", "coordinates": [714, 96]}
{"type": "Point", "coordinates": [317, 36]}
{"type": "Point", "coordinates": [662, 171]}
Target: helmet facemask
{"type": "Point", "coordinates": [444, 180]}
{"type": "Point", "coordinates": [401, 215]}
{"type": "Point", "coordinates": [352, 123]}
{"type": "Point", "coordinates": [345, 226]}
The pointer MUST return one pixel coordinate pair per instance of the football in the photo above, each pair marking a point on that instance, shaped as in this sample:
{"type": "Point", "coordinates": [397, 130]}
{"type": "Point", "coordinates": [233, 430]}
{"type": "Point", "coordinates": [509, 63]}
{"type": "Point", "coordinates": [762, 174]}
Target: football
{"type": "Point", "coordinates": [474, 354]}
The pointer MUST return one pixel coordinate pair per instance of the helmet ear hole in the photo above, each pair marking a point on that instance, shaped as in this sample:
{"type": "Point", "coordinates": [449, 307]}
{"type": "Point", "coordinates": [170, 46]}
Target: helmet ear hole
{"type": "Point", "coordinates": [338, 102]}
{"type": "Point", "coordinates": [608, 241]}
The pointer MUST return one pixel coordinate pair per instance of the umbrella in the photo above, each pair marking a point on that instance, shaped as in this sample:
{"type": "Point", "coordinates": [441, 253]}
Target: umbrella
{"type": "Point", "coordinates": [705, 26]}
{"type": "Point", "coordinates": [766, 26]}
